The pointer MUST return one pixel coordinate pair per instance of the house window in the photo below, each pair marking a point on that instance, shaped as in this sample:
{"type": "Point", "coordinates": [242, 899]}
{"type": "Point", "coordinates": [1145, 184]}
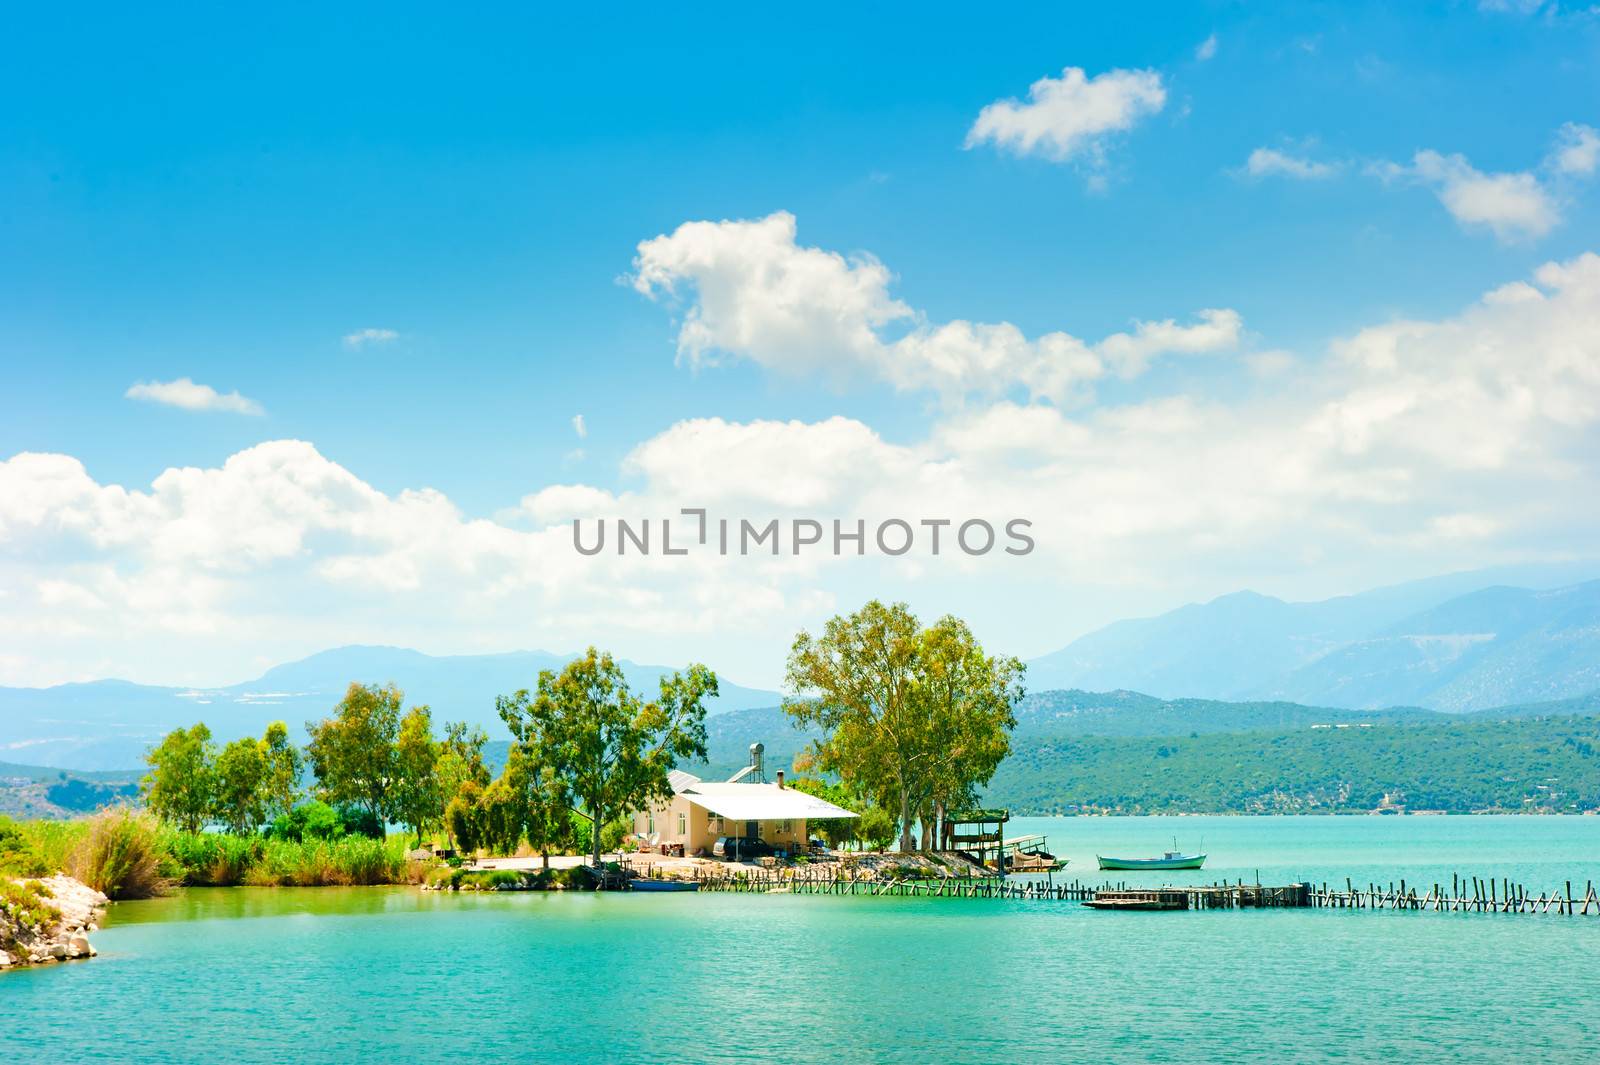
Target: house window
{"type": "Point", "coordinates": [650, 824]}
{"type": "Point", "coordinates": [786, 826]}
{"type": "Point", "coordinates": [719, 830]}
{"type": "Point", "coordinates": [683, 824]}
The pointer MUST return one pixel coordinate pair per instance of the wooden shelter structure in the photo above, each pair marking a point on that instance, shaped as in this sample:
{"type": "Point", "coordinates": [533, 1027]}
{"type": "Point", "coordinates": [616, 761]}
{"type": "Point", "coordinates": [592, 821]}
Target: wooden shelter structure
{"type": "Point", "coordinates": [979, 834]}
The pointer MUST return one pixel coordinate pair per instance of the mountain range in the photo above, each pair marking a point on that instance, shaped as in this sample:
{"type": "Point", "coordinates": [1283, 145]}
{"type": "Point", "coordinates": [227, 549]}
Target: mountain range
{"type": "Point", "coordinates": [108, 724]}
{"type": "Point", "coordinates": [1452, 643]}
{"type": "Point", "coordinates": [1457, 643]}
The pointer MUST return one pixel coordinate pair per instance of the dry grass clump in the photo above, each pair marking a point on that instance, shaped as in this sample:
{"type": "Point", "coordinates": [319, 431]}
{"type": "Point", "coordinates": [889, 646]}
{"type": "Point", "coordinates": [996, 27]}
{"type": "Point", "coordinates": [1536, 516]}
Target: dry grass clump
{"type": "Point", "coordinates": [121, 855]}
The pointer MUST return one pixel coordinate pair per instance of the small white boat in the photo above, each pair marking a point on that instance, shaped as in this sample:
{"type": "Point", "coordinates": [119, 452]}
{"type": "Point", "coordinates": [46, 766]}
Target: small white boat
{"type": "Point", "coordinates": [1173, 859]}
{"type": "Point", "coordinates": [1169, 860]}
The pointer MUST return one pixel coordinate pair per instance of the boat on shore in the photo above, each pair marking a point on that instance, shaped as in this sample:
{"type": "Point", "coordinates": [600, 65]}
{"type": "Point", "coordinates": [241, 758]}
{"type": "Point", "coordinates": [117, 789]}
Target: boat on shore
{"type": "Point", "coordinates": [640, 883]}
{"type": "Point", "coordinates": [1169, 860]}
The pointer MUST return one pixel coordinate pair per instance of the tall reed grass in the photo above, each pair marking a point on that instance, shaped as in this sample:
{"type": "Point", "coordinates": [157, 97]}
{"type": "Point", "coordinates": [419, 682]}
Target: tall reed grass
{"type": "Point", "coordinates": [128, 855]}
{"type": "Point", "coordinates": [122, 855]}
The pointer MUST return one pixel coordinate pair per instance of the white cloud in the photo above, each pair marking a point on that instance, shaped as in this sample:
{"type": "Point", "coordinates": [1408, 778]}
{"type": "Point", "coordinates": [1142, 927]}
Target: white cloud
{"type": "Point", "coordinates": [1070, 116]}
{"type": "Point", "coordinates": [579, 427]}
{"type": "Point", "coordinates": [754, 293]}
{"type": "Point", "coordinates": [188, 395]}
{"type": "Point", "coordinates": [1410, 446]}
{"type": "Point", "coordinates": [1207, 49]}
{"type": "Point", "coordinates": [787, 465]}
{"type": "Point", "coordinates": [363, 337]}
{"type": "Point", "coordinates": [1514, 206]}
{"type": "Point", "coordinates": [1577, 150]}
{"type": "Point", "coordinates": [1130, 353]}
{"type": "Point", "coordinates": [1519, 205]}
{"type": "Point", "coordinates": [1270, 162]}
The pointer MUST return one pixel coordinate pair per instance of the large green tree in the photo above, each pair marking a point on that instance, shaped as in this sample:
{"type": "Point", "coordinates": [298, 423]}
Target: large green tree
{"type": "Point", "coordinates": [965, 703]}
{"type": "Point", "coordinates": [418, 799]}
{"type": "Point", "coordinates": [285, 766]}
{"type": "Point", "coordinates": [241, 785]}
{"type": "Point", "coordinates": [609, 749]}
{"type": "Point", "coordinates": [181, 785]}
{"type": "Point", "coordinates": [912, 718]}
{"type": "Point", "coordinates": [460, 763]}
{"type": "Point", "coordinates": [355, 754]}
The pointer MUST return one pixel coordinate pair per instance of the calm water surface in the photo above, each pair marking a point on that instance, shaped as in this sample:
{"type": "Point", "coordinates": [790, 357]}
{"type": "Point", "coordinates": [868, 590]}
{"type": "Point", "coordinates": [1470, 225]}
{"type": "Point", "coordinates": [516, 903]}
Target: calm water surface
{"type": "Point", "coordinates": [393, 974]}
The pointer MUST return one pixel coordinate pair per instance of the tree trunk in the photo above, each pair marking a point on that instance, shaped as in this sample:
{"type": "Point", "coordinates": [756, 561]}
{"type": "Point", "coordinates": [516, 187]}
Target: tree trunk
{"type": "Point", "coordinates": [927, 831]}
{"type": "Point", "coordinates": [597, 819]}
{"type": "Point", "coordinates": [905, 821]}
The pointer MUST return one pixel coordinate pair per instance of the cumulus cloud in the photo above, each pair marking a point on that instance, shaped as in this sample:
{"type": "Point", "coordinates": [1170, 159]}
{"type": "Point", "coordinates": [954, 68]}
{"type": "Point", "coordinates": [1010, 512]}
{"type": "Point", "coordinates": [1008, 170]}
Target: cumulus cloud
{"type": "Point", "coordinates": [363, 337]}
{"type": "Point", "coordinates": [753, 292]}
{"type": "Point", "coordinates": [1070, 116]}
{"type": "Point", "coordinates": [1270, 162]}
{"type": "Point", "coordinates": [1207, 49]}
{"type": "Point", "coordinates": [1514, 206]}
{"type": "Point", "coordinates": [579, 427]}
{"type": "Point", "coordinates": [189, 395]}
{"type": "Point", "coordinates": [1517, 205]}
{"type": "Point", "coordinates": [1577, 150]}
{"type": "Point", "coordinates": [1409, 446]}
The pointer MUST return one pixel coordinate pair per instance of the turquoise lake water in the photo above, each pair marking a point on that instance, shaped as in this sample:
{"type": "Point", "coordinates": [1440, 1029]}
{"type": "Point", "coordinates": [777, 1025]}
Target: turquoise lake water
{"type": "Point", "coordinates": [395, 974]}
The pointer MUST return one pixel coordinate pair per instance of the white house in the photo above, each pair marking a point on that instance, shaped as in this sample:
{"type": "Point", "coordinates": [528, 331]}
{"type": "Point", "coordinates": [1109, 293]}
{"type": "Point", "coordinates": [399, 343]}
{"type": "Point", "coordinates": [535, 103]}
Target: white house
{"type": "Point", "coordinates": [701, 811]}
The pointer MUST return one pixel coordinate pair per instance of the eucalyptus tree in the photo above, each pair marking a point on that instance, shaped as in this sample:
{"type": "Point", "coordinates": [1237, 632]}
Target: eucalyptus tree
{"type": "Point", "coordinates": [607, 749]}
{"type": "Point", "coordinates": [460, 763]}
{"type": "Point", "coordinates": [914, 718]}
{"type": "Point", "coordinates": [181, 785]}
{"type": "Point", "coordinates": [285, 767]}
{"type": "Point", "coordinates": [240, 795]}
{"type": "Point", "coordinates": [418, 800]}
{"type": "Point", "coordinates": [354, 753]}
{"type": "Point", "coordinates": [856, 683]}
{"type": "Point", "coordinates": [965, 700]}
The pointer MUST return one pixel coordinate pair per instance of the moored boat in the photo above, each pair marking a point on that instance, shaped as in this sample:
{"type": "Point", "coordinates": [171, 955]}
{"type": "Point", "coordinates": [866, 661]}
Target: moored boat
{"type": "Point", "coordinates": [1169, 860]}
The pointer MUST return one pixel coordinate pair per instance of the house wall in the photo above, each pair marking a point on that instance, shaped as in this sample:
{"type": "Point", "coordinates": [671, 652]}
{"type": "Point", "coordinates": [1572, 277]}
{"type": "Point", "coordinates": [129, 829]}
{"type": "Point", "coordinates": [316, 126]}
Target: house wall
{"type": "Point", "coordinates": [681, 821]}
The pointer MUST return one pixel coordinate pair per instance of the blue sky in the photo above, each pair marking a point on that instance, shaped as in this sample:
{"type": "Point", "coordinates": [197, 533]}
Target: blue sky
{"type": "Point", "coordinates": [226, 196]}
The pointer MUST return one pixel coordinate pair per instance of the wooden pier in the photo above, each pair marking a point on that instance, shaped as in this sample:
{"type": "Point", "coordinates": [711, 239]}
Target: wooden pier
{"type": "Point", "coordinates": [1466, 894]}
{"type": "Point", "coordinates": [1486, 895]}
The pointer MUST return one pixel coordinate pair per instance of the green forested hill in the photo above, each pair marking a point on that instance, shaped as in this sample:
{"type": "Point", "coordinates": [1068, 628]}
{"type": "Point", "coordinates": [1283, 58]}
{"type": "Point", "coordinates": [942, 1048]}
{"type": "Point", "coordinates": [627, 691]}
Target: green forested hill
{"type": "Point", "coordinates": [1126, 752]}
{"type": "Point", "coordinates": [1460, 765]}
{"type": "Point", "coordinates": [1123, 713]}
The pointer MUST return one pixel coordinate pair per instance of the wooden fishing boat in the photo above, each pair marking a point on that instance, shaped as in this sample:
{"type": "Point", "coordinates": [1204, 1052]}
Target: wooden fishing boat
{"type": "Point", "coordinates": [640, 883]}
{"type": "Point", "coordinates": [1169, 860]}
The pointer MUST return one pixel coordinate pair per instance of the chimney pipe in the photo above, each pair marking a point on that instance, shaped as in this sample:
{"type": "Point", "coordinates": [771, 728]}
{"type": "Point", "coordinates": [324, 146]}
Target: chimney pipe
{"type": "Point", "coordinates": [780, 778]}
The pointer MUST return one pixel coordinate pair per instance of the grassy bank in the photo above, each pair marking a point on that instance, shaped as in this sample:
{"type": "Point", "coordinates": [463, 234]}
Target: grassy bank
{"type": "Point", "coordinates": [128, 855]}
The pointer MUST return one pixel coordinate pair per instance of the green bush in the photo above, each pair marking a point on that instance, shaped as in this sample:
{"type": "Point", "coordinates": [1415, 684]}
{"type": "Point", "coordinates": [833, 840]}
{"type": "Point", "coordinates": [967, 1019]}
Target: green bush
{"type": "Point", "coordinates": [121, 855]}
{"type": "Point", "coordinates": [309, 820]}
{"type": "Point", "coordinates": [488, 880]}
{"type": "Point", "coordinates": [24, 903]}
{"type": "Point", "coordinates": [324, 863]}
{"type": "Point", "coordinates": [213, 859]}
{"type": "Point", "coordinates": [611, 834]}
{"type": "Point", "coordinates": [37, 848]}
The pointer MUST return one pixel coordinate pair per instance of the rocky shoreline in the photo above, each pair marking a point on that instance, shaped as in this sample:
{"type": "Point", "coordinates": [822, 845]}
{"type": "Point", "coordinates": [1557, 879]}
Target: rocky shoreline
{"type": "Point", "coordinates": [69, 909]}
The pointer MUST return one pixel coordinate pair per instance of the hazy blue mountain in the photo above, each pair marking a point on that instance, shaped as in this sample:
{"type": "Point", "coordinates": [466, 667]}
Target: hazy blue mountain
{"type": "Point", "coordinates": [1486, 649]}
{"type": "Point", "coordinates": [109, 724]}
{"type": "Point", "coordinates": [1251, 646]}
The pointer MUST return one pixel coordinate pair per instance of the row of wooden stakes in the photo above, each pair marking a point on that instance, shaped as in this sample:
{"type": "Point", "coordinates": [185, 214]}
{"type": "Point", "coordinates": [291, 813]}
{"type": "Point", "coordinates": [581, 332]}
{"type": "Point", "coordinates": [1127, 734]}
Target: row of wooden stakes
{"type": "Point", "coordinates": [1487, 895]}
